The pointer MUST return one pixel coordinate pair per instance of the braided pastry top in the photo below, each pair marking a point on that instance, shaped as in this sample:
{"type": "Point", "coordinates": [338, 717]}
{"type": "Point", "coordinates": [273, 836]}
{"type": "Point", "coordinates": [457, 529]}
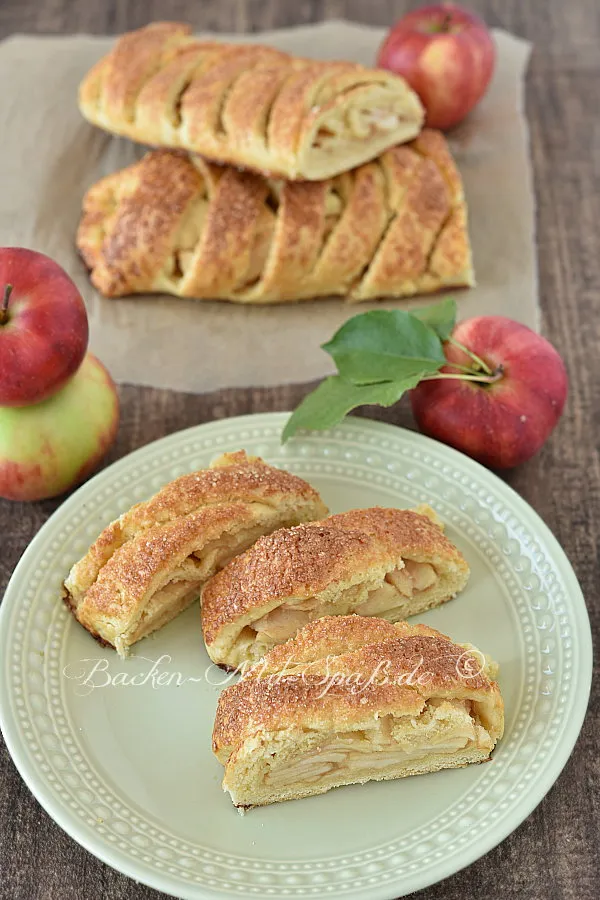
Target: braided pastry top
{"type": "Point", "coordinates": [176, 224]}
{"type": "Point", "coordinates": [248, 105]}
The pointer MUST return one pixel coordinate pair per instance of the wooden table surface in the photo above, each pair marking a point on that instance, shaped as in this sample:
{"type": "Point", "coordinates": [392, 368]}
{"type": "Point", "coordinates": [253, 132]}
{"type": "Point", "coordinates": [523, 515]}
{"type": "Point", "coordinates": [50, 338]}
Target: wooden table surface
{"type": "Point", "coordinates": [554, 853]}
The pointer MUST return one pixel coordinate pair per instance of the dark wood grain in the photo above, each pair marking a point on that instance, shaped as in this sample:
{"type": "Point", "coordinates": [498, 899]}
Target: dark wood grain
{"type": "Point", "coordinates": [554, 854]}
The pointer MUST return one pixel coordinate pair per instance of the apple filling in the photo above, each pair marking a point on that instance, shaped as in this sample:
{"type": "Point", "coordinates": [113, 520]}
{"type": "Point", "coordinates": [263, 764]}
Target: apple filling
{"type": "Point", "coordinates": [399, 585]}
{"type": "Point", "coordinates": [363, 123]}
{"type": "Point", "coordinates": [188, 239]}
{"type": "Point", "coordinates": [333, 210]}
{"type": "Point", "coordinates": [345, 759]}
{"type": "Point", "coordinates": [185, 584]}
{"type": "Point", "coordinates": [444, 729]}
{"type": "Point", "coordinates": [359, 125]}
{"type": "Point", "coordinates": [164, 606]}
{"type": "Point", "coordinates": [189, 246]}
{"type": "Point", "coordinates": [283, 623]}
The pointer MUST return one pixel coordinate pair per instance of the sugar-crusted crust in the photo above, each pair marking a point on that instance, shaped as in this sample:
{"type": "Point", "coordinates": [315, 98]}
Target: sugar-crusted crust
{"type": "Point", "coordinates": [283, 692]}
{"type": "Point", "coordinates": [415, 531]}
{"type": "Point", "coordinates": [125, 578]}
{"type": "Point", "coordinates": [333, 636]}
{"type": "Point", "coordinates": [179, 530]}
{"type": "Point", "coordinates": [307, 560]}
{"type": "Point", "coordinates": [233, 477]}
{"type": "Point", "coordinates": [177, 224]}
{"type": "Point", "coordinates": [247, 105]}
{"type": "Point", "coordinates": [298, 562]}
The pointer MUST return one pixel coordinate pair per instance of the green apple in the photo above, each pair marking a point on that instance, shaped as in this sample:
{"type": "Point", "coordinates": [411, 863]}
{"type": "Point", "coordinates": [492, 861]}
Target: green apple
{"type": "Point", "coordinates": [49, 447]}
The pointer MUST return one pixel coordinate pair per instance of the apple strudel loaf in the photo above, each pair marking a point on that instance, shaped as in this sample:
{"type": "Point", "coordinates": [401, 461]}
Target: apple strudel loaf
{"type": "Point", "coordinates": [390, 563]}
{"type": "Point", "coordinates": [247, 105]}
{"type": "Point", "coordinates": [150, 564]}
{"type": "Point", "coordinates": [176, 224]}
{"type": "Point", "coordinates": [353, 699]}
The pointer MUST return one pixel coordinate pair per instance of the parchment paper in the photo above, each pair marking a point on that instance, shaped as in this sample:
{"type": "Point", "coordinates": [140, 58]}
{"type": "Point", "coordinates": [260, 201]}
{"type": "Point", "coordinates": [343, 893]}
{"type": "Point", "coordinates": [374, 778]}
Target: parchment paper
{"type": "Point", "coordinates": [49, 156]}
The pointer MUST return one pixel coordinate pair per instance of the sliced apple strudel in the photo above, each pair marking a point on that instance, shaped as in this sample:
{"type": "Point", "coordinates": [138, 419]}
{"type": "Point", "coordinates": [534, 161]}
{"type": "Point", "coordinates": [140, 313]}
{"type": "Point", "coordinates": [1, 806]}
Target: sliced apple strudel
{"type": "Point", "coordinates": [176, 224]}
{"type": "Point", "coordinates": [391, 563]}
{"type": "Point", "coordinates": [151, 563]}
{"type": "Point", "coordinates": [247, 105]}
{"type": "Point", "coordinates": [353, 699]}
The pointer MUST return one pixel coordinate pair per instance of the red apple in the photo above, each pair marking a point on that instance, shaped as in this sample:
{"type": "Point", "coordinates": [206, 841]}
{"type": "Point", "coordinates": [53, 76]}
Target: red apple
{"type": "Point", "coordinates": [446, 54]}
{"type": "Point", "coordinates": [48, 447]}
{"type": "Point", "coordinates": [43, 327]}
{"type": "Point", "coordinates": [505, 419]}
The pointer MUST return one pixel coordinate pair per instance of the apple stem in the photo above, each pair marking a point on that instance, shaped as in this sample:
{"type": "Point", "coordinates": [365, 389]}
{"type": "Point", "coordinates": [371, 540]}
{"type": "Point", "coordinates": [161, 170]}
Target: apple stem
{"type": "Point", "coordinates": [476, 359]}
{"type": "Point", "coordinates": [4, 309]}
{"type": "Point", "coordinates": [445, 25]}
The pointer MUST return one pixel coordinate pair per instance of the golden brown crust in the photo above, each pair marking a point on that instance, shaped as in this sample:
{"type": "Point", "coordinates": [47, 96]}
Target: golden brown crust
{"type": "Point", "coordinates": [335, 636]}
{"type": "Point", "coordinates": [242, 478]}
{"type": "Point", "coordinates": [339, 691]}
{"type": "Point", "coordinates": [184, 532]}
{"type": "Point", "coordinates": [247, 105]}
{"type": "Point", "coordinates": [431, 144]}
{"type": "Point", "coordinates": [135, 58]}
{"type": "Point", "coordinates": [305, 561]}
{"type": "Point", "coordinates": [126, 577]}
{"type": "Point", "coordinates": [415, 532]}
{"type": "Point", "coordinates": [171, 223]}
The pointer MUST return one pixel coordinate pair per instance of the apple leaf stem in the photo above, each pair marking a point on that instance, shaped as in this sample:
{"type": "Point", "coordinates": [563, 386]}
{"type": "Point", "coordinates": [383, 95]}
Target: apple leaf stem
{"type": "Point", "coordinates": [479, 362]}
{"type": "Point", "coordinates": [468, 370]}
{"type": "Point", "coordinates": [4, 308]}
{"type": "Point", "coordinates": [382, 354]}
{"type": "Point", "coordinates": [482, 379]}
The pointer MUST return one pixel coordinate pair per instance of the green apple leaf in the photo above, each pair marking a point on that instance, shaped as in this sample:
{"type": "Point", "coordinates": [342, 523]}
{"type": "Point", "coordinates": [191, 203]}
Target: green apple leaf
{"type": "Point", "coordinates": [336, 396]}
{"type": "Point", "coordinates": [385, 345]}
{"type": "Point", "coordinates": [439, 316]}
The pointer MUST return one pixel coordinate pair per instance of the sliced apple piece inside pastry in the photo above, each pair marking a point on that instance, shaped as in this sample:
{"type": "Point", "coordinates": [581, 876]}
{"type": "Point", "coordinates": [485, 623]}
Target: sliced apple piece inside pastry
{"type": "Point", "coordinates": [352, 699]}
{"type": "Point", "coordinates": [390, 563]}
{"type": "Point", "coordinates": [151, 563]}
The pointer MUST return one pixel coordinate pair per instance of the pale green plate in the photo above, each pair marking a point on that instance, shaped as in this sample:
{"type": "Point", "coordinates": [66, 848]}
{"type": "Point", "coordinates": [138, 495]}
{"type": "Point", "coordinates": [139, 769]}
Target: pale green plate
{"type": "Point", "coordinates": [127, 770]}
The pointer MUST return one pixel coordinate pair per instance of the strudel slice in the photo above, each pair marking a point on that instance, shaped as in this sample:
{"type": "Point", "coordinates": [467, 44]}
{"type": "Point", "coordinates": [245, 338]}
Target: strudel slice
{"type": "Point", "coordinates": [353, 699]}
{"type": "Point", "coordinates": [391, 563]}
{"type": "Point", "coordinates": [151, 563]}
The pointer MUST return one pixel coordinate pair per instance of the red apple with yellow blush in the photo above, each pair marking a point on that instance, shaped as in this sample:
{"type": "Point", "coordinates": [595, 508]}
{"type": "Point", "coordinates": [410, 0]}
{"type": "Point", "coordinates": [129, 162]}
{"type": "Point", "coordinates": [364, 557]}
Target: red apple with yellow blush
{"type": "Point", "coordinates": [447, 55]}
{"type": "Point", "coordinates": [59, 410]}
{"type": "Point", "coordinates": [43, 327]}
